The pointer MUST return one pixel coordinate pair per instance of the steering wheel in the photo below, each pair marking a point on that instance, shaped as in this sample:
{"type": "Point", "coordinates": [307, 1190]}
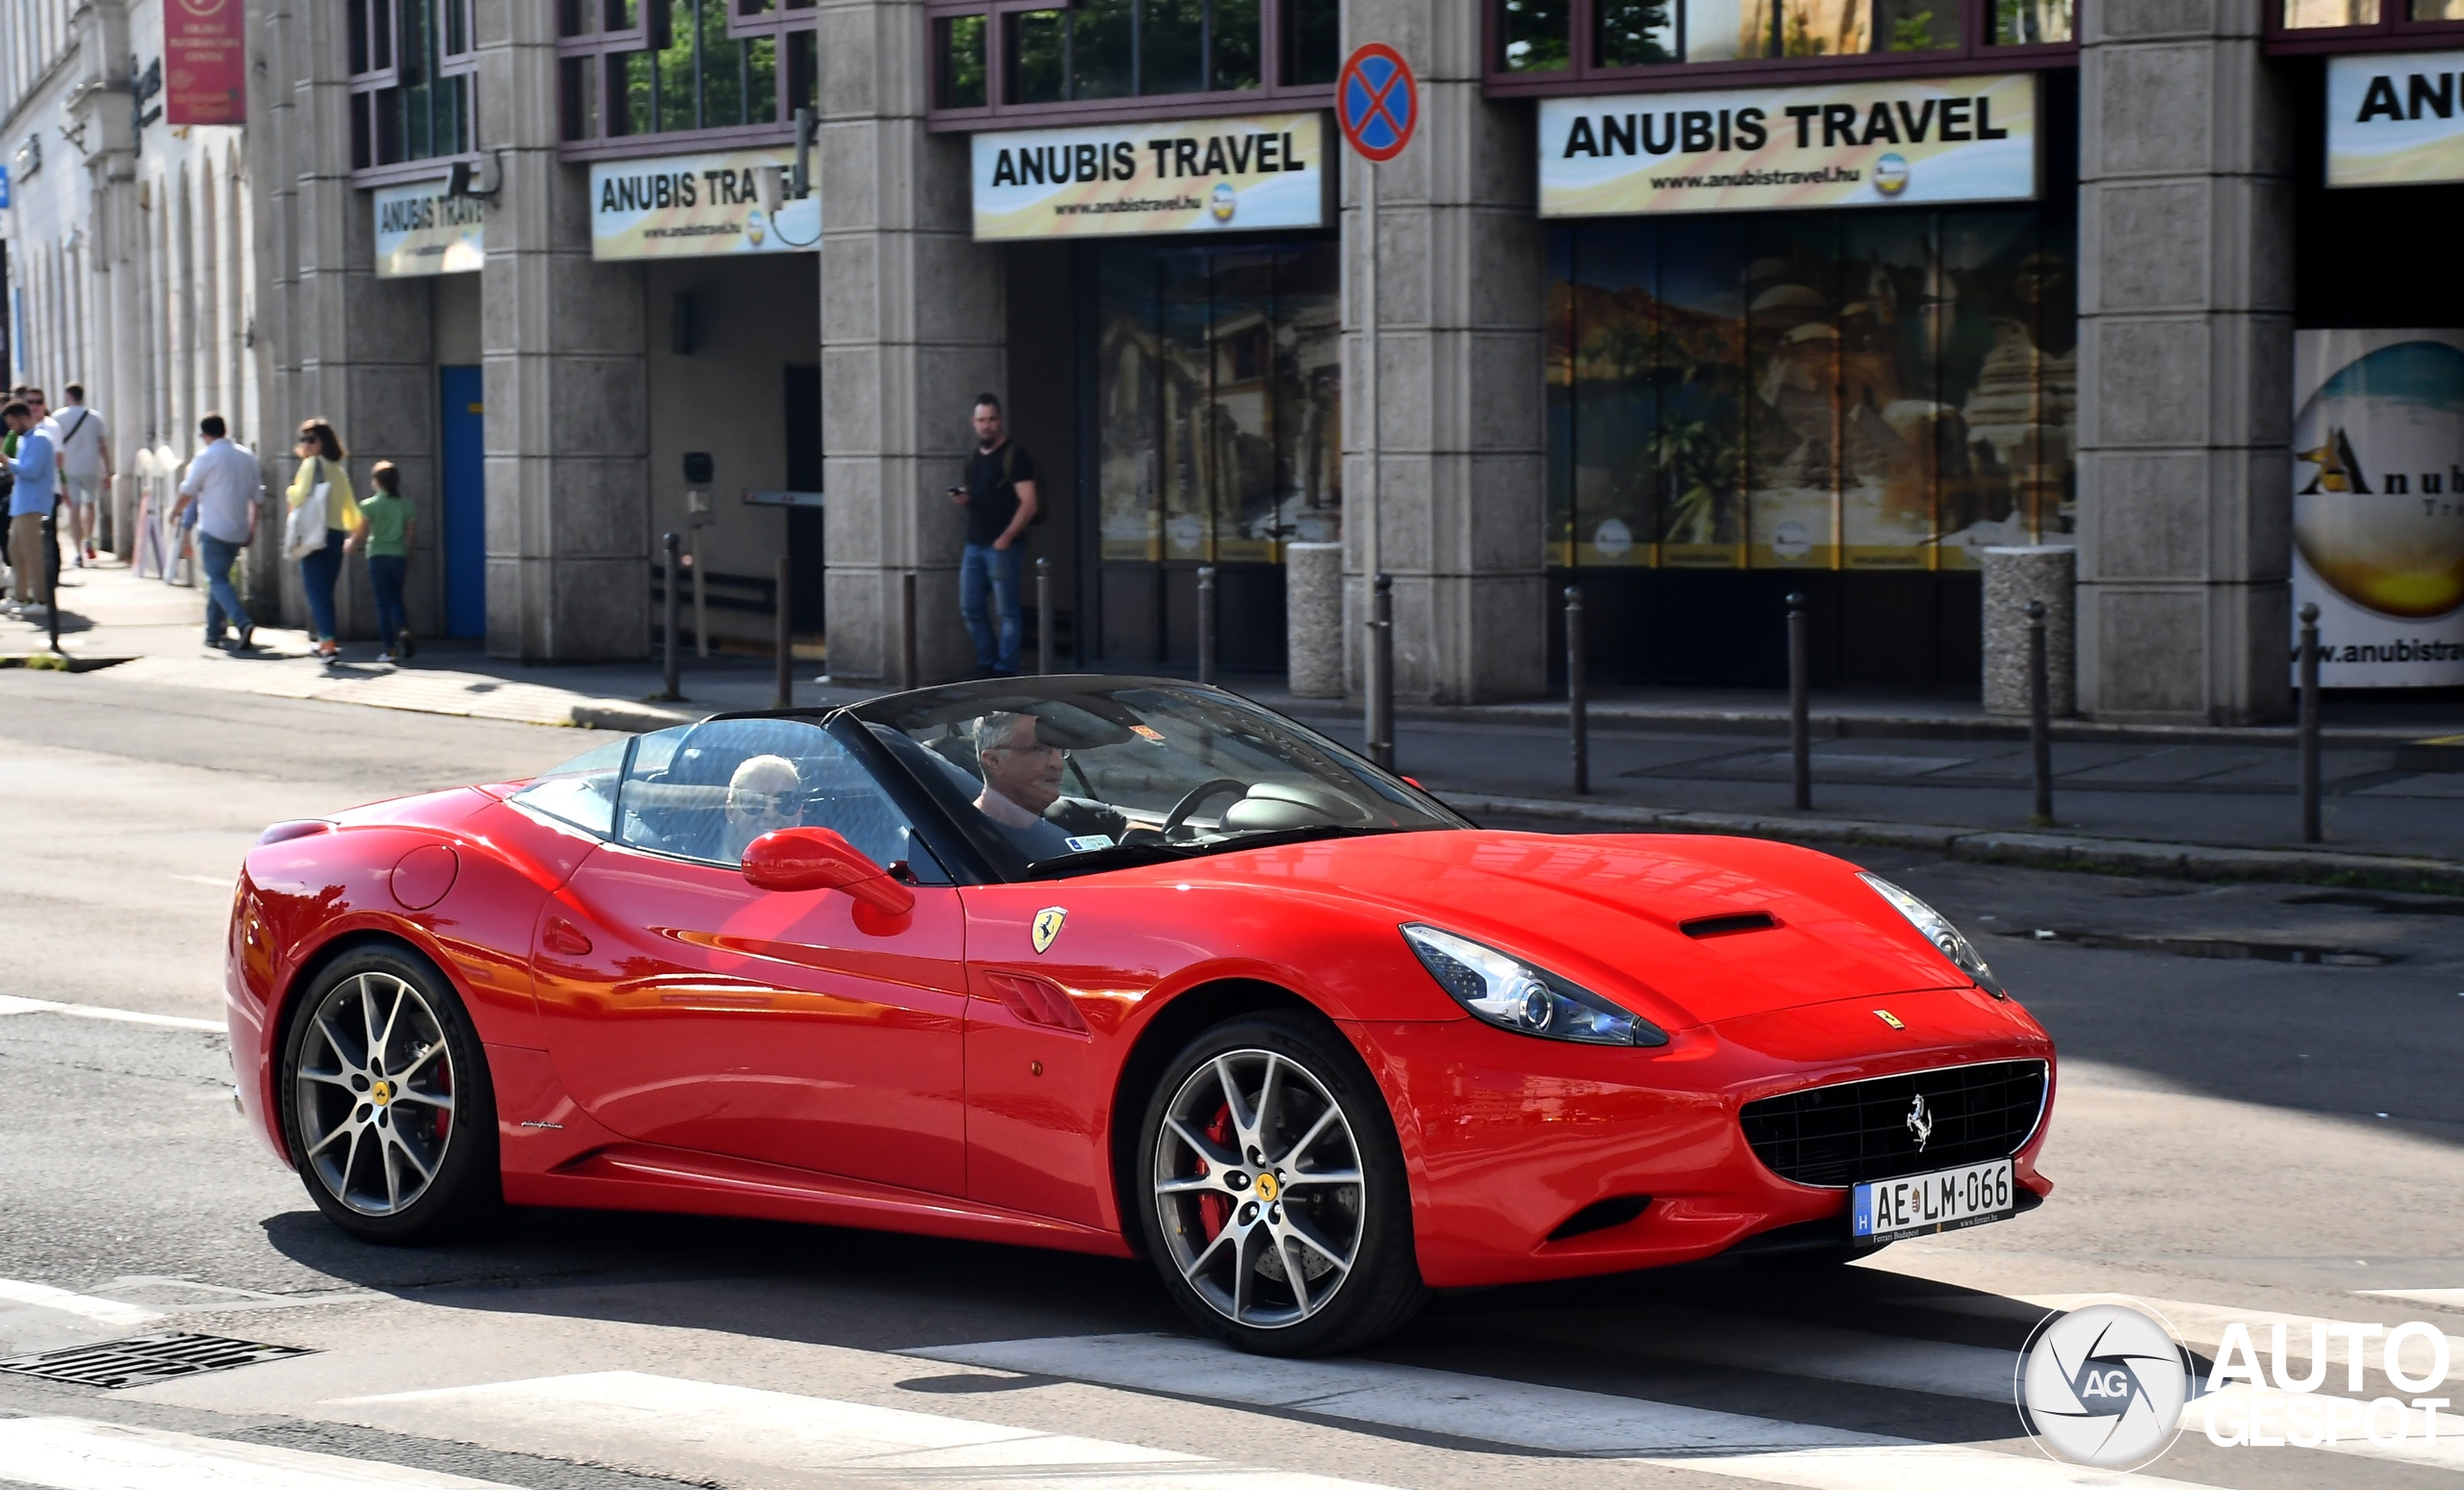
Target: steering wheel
{"type": "Point", "coordinates": [1198, 794]}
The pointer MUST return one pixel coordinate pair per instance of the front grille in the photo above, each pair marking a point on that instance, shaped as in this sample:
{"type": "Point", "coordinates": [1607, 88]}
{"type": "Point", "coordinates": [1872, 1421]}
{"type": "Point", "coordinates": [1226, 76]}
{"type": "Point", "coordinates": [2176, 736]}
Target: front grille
{"type": "Point", "coordinates": [1860, 1130]}
{"type": "Point", "coordinates": [114, 1364]}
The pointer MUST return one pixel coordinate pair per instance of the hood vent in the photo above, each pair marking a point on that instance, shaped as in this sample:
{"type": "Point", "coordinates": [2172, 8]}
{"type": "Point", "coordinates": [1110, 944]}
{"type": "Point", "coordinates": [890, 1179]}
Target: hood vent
{"type": "Point", "coordinates": [1728, 925]}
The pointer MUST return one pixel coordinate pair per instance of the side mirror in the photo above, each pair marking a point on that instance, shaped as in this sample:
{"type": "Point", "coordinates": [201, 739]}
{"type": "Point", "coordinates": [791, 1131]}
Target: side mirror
{"type": "Point", "coordinates": [813, 858]}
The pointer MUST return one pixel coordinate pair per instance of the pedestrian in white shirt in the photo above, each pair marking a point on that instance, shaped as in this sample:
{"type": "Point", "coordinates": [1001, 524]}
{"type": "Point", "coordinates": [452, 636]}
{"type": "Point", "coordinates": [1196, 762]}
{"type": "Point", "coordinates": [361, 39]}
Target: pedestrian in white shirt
{"type": "Point", "coordinates": [225, 480]}
{"type": "Point", "coordinates": [85, 466]}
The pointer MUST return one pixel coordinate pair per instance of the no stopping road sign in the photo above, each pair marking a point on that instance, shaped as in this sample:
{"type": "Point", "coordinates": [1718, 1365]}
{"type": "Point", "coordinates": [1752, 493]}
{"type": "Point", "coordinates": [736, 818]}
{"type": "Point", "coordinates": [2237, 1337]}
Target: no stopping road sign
{"type": "Point", "coordinates": [1378, 101]}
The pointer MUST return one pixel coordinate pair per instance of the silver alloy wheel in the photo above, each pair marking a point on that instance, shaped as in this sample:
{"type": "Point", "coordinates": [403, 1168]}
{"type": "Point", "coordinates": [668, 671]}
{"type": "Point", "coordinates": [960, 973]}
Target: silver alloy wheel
{"type": "Point", "coordinates": [1259, 1189]}
{"type": "Point", "coordinates": [374, 1090]}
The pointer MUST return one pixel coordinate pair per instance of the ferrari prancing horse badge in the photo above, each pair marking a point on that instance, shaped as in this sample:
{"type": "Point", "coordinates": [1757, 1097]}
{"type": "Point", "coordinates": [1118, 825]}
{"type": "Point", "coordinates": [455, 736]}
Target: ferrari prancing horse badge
{"type": "Point", "coordinates": [1047, 926]}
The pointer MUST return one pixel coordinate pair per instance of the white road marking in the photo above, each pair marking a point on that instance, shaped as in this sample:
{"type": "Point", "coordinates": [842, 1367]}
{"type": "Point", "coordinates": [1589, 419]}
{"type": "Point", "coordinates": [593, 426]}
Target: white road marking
{"type": "Point", "coordinates": [2204, 1325]}
{"type": "Point", "coordinates": [1557, 1420]}
{"type": "Point", "coordinates": [102, 1311]}
{"type": "Point", "coordinates": [698, 1429]}
{"type": "Point", "coordinates": [11, 1004]}
{"type": "Point", "coordinates": [1812, 1350]}
{"type": "Point", "coordinates": [2440, 1298]}
{"type": "Point", "coordinates": [217, 880]}
{"type": "Point", "coordinates": [73, 1454]}
{"type": "Point", "coordinates": [1551, 1419]}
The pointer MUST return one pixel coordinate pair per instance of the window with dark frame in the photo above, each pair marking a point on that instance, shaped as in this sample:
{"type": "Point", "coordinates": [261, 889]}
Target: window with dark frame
{"type": "Point", "coordinates": [1547, 47]}
{"type": "Point", "coordinates": [633, 70]}
{"type": "Point", "coordinates": [411, 93]}
{"type": "Point", "coordinates": [1072, 56]}
{"type": "Point", "coordinates": [2363, 25]}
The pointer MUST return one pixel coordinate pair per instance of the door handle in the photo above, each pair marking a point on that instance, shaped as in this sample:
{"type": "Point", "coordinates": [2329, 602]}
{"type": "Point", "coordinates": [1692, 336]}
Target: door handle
{"type": "Point", "coordinates": [563, 938]}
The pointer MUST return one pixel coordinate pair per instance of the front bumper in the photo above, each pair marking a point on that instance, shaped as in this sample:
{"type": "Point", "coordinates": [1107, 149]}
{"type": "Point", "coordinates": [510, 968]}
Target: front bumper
{"type": "Point", "coordinates": [1509, 1138]}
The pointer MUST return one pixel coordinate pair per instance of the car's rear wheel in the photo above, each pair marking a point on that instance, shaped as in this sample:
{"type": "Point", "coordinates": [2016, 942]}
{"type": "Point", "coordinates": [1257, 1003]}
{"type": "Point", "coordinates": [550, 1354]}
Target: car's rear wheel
{"type": "Point", "coordinates": [386, 1101]}
{"type": "Point", "coordinates": [1278, 1208]}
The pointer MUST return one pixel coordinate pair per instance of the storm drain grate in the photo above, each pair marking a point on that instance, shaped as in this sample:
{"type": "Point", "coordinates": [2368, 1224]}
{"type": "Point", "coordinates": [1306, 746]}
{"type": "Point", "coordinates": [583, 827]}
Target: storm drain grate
{"type": "Point", "coordinates": [140, 1359]}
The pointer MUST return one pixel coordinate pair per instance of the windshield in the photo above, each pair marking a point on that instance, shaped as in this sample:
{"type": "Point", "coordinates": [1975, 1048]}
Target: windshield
{"type": "Point", "coordinates": [1057, 775]}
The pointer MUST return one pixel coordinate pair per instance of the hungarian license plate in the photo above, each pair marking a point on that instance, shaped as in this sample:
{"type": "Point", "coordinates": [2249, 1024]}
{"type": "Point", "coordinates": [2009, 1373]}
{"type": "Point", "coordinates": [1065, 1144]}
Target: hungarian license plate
{"type": "Point", "coordinates": [1916, 1205]}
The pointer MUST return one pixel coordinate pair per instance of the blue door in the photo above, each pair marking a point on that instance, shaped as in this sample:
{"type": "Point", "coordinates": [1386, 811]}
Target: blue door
{"type": "Point", "coordinates": [465, 483]}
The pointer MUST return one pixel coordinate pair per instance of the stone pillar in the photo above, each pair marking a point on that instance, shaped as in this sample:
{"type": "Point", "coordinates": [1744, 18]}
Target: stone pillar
{"type": "Point", "coordinates": [1462, 273]}
{"type": "Point", "coordinates": [2013, 578]}
{"type": "Point", "coordinates": [116, 382]}
{"type": "Point", "coordinates": [912, 330]}
{"type": "Point", "coordinates": [1312, 610]}
{"type": "Point", "coordinates": [562, 342]}
{"type": "Point", "coordinates": [2185, 343]}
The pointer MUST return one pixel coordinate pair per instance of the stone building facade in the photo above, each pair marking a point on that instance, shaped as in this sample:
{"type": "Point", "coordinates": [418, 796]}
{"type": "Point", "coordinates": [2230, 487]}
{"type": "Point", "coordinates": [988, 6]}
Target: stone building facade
{"type": "Point", "coordinates": [1850, 383]}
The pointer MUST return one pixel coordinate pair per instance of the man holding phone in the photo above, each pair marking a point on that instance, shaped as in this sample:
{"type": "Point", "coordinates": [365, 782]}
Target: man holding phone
{"type": "Point", "coordinates": [1000, 502]}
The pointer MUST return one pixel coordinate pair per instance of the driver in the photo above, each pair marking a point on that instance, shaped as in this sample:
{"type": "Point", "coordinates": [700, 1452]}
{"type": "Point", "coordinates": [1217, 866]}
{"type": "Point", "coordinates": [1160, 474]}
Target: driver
{"type": "Point", "coordinates": [1023, 792]}
{"type": "Point", "coordinates": [764, 795]}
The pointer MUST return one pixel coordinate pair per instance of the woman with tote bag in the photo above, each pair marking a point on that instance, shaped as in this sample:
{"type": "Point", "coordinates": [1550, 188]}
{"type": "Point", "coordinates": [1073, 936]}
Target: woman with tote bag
{"type": "Point", "coordinates": [324, 515]}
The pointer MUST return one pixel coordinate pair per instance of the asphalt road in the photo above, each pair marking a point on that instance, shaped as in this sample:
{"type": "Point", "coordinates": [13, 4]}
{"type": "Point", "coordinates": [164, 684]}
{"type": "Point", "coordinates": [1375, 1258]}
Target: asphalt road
{"type": "Point", "coordinates": [2239, 1136]}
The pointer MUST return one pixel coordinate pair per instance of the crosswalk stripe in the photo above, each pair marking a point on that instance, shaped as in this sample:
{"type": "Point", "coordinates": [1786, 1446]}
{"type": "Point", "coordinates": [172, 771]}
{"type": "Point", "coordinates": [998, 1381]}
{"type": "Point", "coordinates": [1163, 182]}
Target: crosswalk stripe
{"type": "Point", "coordinates": [102, 1311]}
{"type": "Point", "coordinates": [12, 1004]}
{"type": "Point", "coordinates": [74, 1453]}
{"type": "Point", "coordinates": [691, 1428]}
{"type": "Point", "coordinates": [1817, 1351]}
{"type": "Point", "coordinates": [2204, 1325]}
{"type": "Point", "coordinates": [2442, 1298]}
{"type": "Point", "coordinates": [1520, 1415]}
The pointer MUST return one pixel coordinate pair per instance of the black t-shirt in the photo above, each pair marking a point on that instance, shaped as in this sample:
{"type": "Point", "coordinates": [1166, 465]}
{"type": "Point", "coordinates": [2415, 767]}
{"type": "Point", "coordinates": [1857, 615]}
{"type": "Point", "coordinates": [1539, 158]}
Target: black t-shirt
{"type": "Point", "coordinates": [991, 502]}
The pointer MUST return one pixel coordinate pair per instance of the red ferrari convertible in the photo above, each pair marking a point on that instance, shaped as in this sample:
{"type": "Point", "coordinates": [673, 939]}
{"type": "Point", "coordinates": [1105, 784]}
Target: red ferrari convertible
{"type": "Point", "coordinates": [1121, 965]}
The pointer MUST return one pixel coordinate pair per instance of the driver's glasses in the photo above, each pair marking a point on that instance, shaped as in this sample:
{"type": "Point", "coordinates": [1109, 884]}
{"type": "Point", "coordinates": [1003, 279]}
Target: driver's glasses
{"type": "Point", "coordinates": [764, 803]}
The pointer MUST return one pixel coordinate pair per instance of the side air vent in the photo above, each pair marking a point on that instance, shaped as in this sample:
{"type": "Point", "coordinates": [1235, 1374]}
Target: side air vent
{"type": "Point", "coordinates": [1599, 1216]}
{"type": "Point", "coordinates": [1728, 925]}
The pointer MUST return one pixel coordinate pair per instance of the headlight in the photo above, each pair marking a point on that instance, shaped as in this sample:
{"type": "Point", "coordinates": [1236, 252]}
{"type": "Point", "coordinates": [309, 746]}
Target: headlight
{"type": "Point", "coordinates": [1939, 931]}
{"type": "Point", "coordinates": [1514, 995]}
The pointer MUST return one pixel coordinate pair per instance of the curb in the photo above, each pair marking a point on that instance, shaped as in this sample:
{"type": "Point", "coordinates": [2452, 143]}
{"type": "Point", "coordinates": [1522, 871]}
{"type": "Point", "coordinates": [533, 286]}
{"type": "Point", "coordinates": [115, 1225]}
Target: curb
{"type": "Point", "coordinates": [1612, 718]}
{"type": "Point", "coordinates": [59, 662]}
{"type": "Point", "coordinates": [629, 718]}
{"type": "Point", "coordinates": [2036, 850]}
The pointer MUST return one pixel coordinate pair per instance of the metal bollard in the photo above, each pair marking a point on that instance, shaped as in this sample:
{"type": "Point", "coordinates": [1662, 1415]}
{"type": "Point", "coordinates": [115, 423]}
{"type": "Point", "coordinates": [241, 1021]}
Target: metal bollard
{"type": "Point", "coordinates": [783, 639]}
{"type": "Point", "coordinates": [2040, 719]}
{"type": "Point", "coordinates": [1206, 623]}
{"type": "Point", "coordinates": [910, 674]}
{"type": "Point", "coordinates": [1044, 616]}
{"type": "Point", "coordinates": [2311, 831]}
{"type": "Point", "coordinates": [1800, 686]}
{"type": "Point", "coordinates": [1578, 693]}
{"type": "Point", "coordinates": [1381, 674]}
{"type": "Point", "coordinates": [672, 662]}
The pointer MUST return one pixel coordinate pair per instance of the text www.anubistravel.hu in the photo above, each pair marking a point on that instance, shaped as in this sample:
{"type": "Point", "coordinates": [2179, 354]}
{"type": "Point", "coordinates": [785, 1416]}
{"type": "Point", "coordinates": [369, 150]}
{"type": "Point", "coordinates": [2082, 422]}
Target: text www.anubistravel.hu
{"type": "Point", "coordinates": [1739, 178]}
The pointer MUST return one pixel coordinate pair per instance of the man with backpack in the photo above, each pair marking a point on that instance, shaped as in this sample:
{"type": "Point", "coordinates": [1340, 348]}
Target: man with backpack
{"type": "Point", "coordinates": [1000, 502]}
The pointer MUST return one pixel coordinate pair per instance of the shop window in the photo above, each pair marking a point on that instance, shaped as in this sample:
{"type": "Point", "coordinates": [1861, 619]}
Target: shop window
{"type": "Point", "coordinates": [1218, 395]}
{"type": "Point", "coordinates": [1099, 50]}
{"type": "Point", "coordinates": [1312, 40]}
{"type": "Point", "coordinates": [1552, 46]}
{"type": "Point", "coordinates": [959, 43]}
{"type": "Point", "coordinates": [2311, 15]}
{"type": "Point", "coordinates": [1534, 35]}
{"type": "Point", "coordinates": [635, 67]}
{"type": "Point", "coordinates": [1882, 392]}
{"type": "Point", "coordinates": [2033, 22]}
{"type": "Point", "coordinates": [410, 88]}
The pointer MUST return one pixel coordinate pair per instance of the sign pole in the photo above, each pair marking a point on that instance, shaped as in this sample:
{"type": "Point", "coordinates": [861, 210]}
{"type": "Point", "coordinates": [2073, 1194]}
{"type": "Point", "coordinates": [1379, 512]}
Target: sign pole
{"type": "Point", "coordinates": [1373, 550]}
{"type": "Point", "coordinates": [1377, 103]}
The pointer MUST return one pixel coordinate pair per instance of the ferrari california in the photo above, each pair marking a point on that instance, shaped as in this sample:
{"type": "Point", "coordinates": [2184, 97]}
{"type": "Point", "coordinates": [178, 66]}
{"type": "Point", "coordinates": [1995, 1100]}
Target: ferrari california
{"type": "Point", "coordinates": [1124, 965]}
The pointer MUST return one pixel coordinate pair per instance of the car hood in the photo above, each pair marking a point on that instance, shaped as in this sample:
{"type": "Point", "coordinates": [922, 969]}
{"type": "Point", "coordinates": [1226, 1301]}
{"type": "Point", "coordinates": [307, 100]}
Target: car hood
{"type": "Point", "coordinates": [1609, 912]}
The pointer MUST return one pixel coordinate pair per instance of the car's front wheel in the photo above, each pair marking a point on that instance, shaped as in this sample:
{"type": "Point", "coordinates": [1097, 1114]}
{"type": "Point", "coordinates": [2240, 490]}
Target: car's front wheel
{"type": "Point", "coordinates": [386, 1101]}
{"type": "Point", "coordinates": [1279, 1211]}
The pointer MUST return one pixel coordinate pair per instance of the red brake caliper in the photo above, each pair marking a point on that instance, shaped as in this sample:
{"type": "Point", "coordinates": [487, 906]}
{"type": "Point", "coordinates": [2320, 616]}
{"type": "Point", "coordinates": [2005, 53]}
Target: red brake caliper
{"type": "Point", "coordinates": [1214, 1210]}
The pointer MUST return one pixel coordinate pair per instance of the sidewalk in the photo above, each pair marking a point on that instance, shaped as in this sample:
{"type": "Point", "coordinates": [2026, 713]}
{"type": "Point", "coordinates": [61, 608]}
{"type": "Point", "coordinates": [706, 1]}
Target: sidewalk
{"type": "Point", "coordinates": [1912, 771]}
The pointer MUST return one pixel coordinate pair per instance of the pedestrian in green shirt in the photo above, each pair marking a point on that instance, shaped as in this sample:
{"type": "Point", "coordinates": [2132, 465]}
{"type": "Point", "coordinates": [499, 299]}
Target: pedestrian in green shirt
{"type": "Point", "coordinates": [388, 536]}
